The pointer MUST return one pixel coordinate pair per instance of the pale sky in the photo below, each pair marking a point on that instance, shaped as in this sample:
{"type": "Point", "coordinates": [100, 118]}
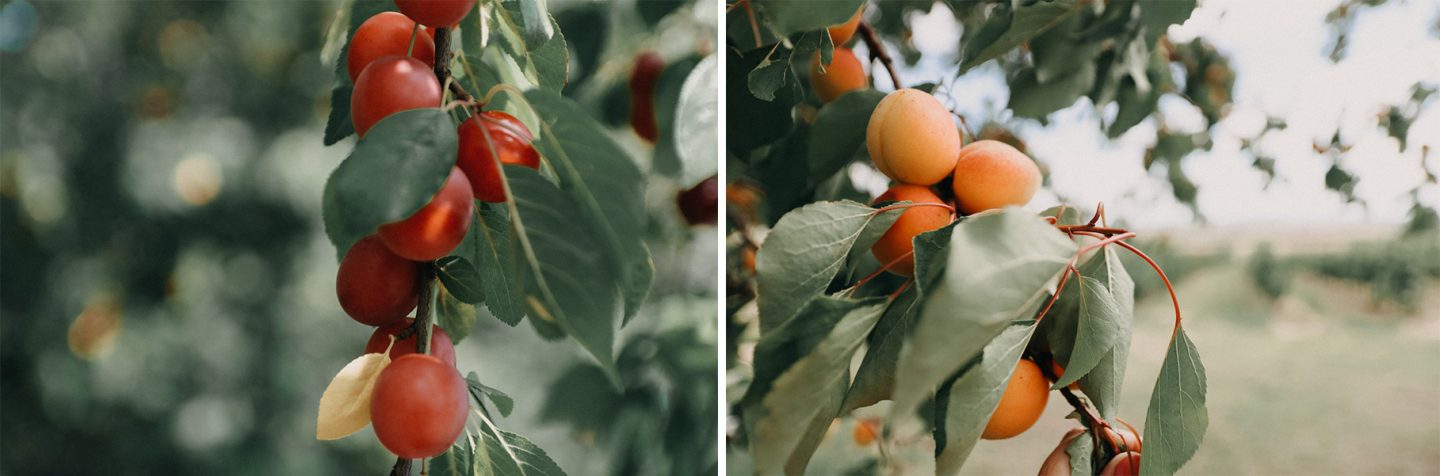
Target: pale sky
{"type": "Point", "coordinates": [1279, 50]}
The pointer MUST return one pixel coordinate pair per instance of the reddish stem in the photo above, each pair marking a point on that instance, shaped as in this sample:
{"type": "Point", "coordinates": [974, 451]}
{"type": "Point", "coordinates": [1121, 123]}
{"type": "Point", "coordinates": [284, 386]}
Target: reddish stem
{"type": "Point", "coordinates": [1168, 287]}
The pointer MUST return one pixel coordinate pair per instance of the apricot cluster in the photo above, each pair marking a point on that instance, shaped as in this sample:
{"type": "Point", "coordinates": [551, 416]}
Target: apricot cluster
{"type": "Point", "coordinates": [419, 403]}
{"type": "Point", "coordinates": [913, 140]}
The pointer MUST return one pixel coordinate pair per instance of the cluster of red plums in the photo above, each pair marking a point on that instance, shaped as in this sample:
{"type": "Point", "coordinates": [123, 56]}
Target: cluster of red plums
{"type": "Point", "coordinates": [420, 403]}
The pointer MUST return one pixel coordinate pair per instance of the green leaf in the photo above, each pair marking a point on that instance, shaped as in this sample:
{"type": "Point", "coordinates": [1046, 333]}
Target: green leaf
{"type": "Point", "coordinates": [507, 454]}
{"type": "Point", "coordinates": [769, 77]}
{"type": "Point", "coordinates": [605, 185]}
{"type": "Point", "coordinates": [1029, 98]}
{"type": "Point", "coordinates": [534, 21]}
{"type": "Point", "coordinates": [1015, 29]}
{"type": "Point", "coordinates": [793, 17]}
{"type": "Point", "coordinates": [697, 122]}
{"type": "Point", "coordinates": [1079, 450]}
{"type": "Point", "coordinates": [876, 377]}
{"type": "Point", "coordinates": [667, 159]}
{"type": "Point", "coordinates": [1060, 51]}
{"type": "Point", "coordinates": [459, 460]}
{"type": "Point", "coordinates": [551, 60]}
{"type": "Point", "coordinates": [339, 126]}
{"type": "Point", "coordinates": [974, 396]}
{"type": "Point", "coordinates": [461, 279]}
{"type": "Point", "coordinates": [752, 122]}
{"type": "Point", "coordinates": [568, 282]}
{"type": "Point", "coordinates": [806, 249]}
{"type": "Point", "coordinates": [1103, 382]}
{"type": "Point", "coordinates": [454, 316]}
{"type": "Point", "coordinates": [1098, 330]}
{"type": "Point", "coordinates": [393, 171]}
{"type": "Point", "coordinates": [490, 248]}
{"type": "Point", "coordinates": [503, 403]}
{"type": "Point", "coordinates": [800, 379]}
{"type": "Point", "coordinates": [998, 268]}
{"type": "Point", "coordinates": [839, 132]}
{"type": "Point", "coordinates": [1158, 15]}
{"type": "Point", "coordinates": [1176, 421]}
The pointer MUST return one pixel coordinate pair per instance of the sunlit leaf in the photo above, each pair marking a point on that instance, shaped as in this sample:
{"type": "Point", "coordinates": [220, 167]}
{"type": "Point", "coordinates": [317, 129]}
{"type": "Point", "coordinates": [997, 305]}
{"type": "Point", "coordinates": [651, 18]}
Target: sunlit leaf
{"type": "Point", "coordinates": [345, 404]}
{"type": "Point", "coordinates": [1177, 419]}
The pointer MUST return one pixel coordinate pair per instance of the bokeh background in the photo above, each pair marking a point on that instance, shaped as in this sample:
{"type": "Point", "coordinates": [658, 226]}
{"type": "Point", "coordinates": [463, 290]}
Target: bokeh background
{"type": "Point", "coordinates": [1300, 230]}
{"type": "Point", "coordinates": [168, 292]}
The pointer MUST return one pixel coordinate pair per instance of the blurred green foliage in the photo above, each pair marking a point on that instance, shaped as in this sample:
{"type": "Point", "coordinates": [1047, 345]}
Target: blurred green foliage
{"type": "Point", "coordinates": [167, 291]}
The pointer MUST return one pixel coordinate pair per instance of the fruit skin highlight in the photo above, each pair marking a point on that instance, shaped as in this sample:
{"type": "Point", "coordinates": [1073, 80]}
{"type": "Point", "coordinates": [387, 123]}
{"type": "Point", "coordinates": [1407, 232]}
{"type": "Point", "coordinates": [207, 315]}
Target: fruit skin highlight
{"type": "Point", "coordinates": [436, 13]}
{"type": "Point", "coordinates": [389, 85]}
{"type": "Point", "coordinates": [512, 141]}
{"type": "Point", "coordinates": [914, 220]}
{"type": "Point", "coordinates": [912, 138]}
{"type": "Point", "coordinates": [991, 174]}
{"type": "Point", "coordinates": [440, 345]}
{"type": "Point", "coordinates": [375, 286]}
{"type": "Point", "coordinates": [1021, 404]}
{"type": "Point", "coordinates": [386, 34]}
{"type": "Point", "coordinates": [419, 406]}
{"type": "Point", "coordinates": [844, 74]}
{"type": "Point", "coordinates": [434, 230]}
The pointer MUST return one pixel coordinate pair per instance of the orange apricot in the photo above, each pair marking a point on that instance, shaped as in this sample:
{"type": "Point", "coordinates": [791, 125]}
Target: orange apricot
{"type": "Point", "coordinates": [840, 34]}
{"type": "Point", "coordinates": [898, 243]}
{"type": "Point", "coordinates": [1060, 372]}
{"type": "Point", "coordinates": [912, 138]}
{"type": "Point", "coordinates": [1021, 404]}
{"type": "Point", "coordinates": [1123, 438]}
{"type": "Point", "coordinates": [991, 174]}
{"type": "Point", "coordinates": [844, 74]}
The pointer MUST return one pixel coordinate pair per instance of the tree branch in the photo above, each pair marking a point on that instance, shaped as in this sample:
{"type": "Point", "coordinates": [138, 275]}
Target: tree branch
{"type": "Point", "coordinates": [877, 51]}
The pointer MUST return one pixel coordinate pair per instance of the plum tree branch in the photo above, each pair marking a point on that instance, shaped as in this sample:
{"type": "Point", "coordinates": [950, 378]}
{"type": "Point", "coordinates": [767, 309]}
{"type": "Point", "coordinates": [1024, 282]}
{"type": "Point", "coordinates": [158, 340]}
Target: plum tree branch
{"type": "Point", "coordinates": [877, 51]}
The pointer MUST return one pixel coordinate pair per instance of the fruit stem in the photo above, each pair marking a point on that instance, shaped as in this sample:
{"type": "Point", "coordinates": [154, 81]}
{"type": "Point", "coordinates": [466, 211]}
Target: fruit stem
{"type": "Point", "coordinates": [425, 309]}
{"type": "Point", "coordinates": [877, 51]}
{"type": "Point", "coordinates": [410, 48]}
{"type": "Point", "coordinates": [1168, 287]}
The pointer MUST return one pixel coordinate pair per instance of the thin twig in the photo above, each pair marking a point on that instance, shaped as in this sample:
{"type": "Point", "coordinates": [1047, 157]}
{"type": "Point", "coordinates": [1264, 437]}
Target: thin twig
{"type": "Point", "coordinates": [877, 51]}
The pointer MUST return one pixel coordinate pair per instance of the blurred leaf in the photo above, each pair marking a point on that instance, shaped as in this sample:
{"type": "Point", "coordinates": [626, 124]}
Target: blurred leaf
{"type": "Point", "coordinates": [503, 403]}
{"type": "Point", "coordinates": [1029, 98]}
{"type": "Point", "coordinates": [801, 369]}
{"type": "Point", "coordinates": [667, 109]}
{"type": "Point", "coordinates": [806, 249]}
{"type": "Point", "coordinates": [1059, 52]}
{"type": "Point", "coordinates": [652, 11]}
{"type": "Point", "coordinates": [697, 121]}
{"type": "Point", "coordinates": [454, 315]}
{"type": "Point", "coordinates": [997, 271]}
{"type": "Point", "coordinates": [1004, 30]}
{"type": "Point", "coordinates": [606, 186]}
{"type": "Point", "coordinates": [1158, 15]}
{"type": "Point", "coordinates": [567, 284]}
{"type": "Point", "coordinates": [586, 26]}
{"type": "Point", "coordinates": [974, 396]}
{"type": "Point", "coordinates": [793, 17]}
{"type": "Point", "coordinates": [345, 404]}
{"type": "Point", "coordinates": [771, 75]}
{"type": "Point", "coordinates": [393, 171]}
{"type": "Point", "coordinates": [839, 132]}
{"type": "Point", "coordinates": [1177, 419]}
{"type": "Point", "coordinates": [534, 21]}
{"type": "Point", "coordinates": [1339, 180]}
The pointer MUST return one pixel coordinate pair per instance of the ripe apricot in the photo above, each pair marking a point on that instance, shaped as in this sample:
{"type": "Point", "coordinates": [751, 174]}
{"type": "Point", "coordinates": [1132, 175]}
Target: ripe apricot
{"type": "Point", "coordinates": [375, 286]}
{"type": "Point", "coordinates": [912, 138]}
{"type": "Point", "coordinates": [840, 34]}
{"type": "Point", "coordinates": [1124, 464]}
{"type": "Point", "coordinates": [1124, 438]}
{"type": "Point", "coordinates": [898, 242]}
{"type": "Point", "coordinates": [388, 85]}
{"type": "Point", "coordinates": [991, 174]}
{"type": "Point", "coordinates": [844, 74]}
{"type": "Point", "coordinates": [1021, 404]}
{"type": "Point", "coordinates": [512, 142]}
{"type": "Point", "coordinates": [440, 345]}
{"type": "Point", "coordinates": [419, 406]}
{"type": "Point", "coordinates": [436, 228]}
{"type": "Point", "coordinates": [385, 34]}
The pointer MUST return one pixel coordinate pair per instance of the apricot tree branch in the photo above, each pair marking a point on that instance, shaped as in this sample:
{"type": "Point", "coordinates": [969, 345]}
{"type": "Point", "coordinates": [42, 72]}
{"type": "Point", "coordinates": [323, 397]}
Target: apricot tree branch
{"type": "Point", "coordinates": [877, 51]}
